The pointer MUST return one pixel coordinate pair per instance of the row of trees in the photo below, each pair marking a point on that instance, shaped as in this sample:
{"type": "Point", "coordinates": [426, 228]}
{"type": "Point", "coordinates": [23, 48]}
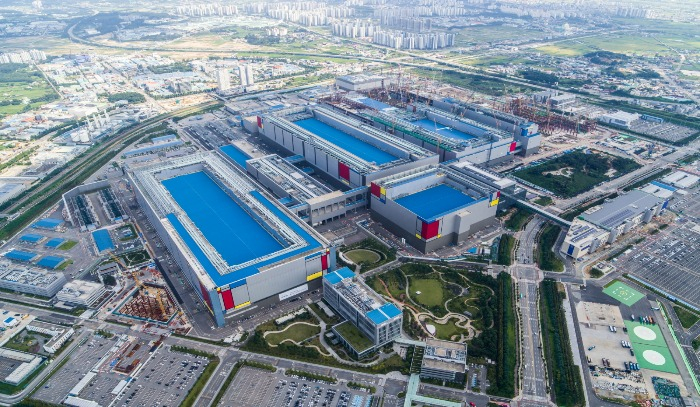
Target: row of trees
{"type": "Point", "coordinates": [497, 341]}
{"type": "Point", "coordinates": [564, 376]}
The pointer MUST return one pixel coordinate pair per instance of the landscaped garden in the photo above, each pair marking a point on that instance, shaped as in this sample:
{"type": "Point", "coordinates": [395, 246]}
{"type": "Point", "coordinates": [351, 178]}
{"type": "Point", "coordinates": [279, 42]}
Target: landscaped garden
{"type": "Point", "coordinates": [571, 174]}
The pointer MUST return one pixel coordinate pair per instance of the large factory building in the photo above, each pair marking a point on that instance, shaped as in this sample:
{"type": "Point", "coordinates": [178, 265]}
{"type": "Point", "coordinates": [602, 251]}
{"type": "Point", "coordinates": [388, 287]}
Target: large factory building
{"type": "Point", "coordinates": [342, 147]}
{"type": "Point", "coordinates": [458, 133]}
{"type": "Point", "coordinates": [433, 206]}
{"type": "Point", "coordinates": [605, 223]}
{"type": "Point", "coordinates": [235, 245]}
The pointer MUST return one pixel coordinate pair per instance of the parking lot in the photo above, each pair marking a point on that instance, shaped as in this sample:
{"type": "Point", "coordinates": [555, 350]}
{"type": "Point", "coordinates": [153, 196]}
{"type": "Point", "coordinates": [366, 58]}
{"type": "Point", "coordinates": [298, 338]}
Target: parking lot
{"type": "Point", "coordinates": [256, 387]}
{"type": "Point", "coordinates": [666, 131]}
{"type": "Point", "coordinates": [164, 381]}
{"type": "Point", "coordinates": [670, 261]}
{"type": "Point", "coordinates": [80, 362]}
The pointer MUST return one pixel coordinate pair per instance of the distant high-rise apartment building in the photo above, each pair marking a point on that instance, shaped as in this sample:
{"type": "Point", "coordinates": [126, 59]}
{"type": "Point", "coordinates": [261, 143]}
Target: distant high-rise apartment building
{"type": "Point", "coordinates": [223, 80]}
{"type": "Point", "coordinates": [245, 74]}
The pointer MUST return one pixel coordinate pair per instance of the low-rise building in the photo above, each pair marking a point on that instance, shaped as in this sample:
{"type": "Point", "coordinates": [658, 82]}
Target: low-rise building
{"type": "Point", "coordinates": [30, 280]}
{"type": "Point", "coordinates": [607, 222]}
{"type": "Point", "coordinates": [444, 360]}
{"type": "Point", "coordinates": [59, 335]}
{"type": "Point", "coordinates": [81, 292]}
{"type": "Point", "coordinates": [370, 322]}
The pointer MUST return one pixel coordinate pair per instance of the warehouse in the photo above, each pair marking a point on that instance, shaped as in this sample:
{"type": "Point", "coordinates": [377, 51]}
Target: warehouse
{"type": "Point", "coordinates": [361, 82]}
{"type": "Point", "coordinates": [433, 206]}
{"type": "Point", "coordinates": [30, 280]}
{"type": "Point", "coordinates": [342, 147]}
{"type": "Point", "coordinates": [370, 322]}
{"type": "Point", "coordinates": [308, 198]}
{"type": "Point", "coordinates": [681, 179]}
{"type": "Point", "coordinates": [235, 245]}
{"type": "Point", "coordinates": [607, 222]}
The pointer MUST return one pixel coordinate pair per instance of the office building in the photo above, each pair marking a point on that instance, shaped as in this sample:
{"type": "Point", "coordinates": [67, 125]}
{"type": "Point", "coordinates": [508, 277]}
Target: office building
{"type": "Point", "coordinates": [444, 360]}
{"type": "Point", "coordinates": [370, 322]}
{"type": "Point", "coordinates": [81, 292]}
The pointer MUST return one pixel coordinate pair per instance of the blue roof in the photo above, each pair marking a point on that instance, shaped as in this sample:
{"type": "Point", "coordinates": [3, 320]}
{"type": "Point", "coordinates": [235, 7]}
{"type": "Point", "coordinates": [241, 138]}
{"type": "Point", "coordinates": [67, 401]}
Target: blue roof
{"type": "Point", "coordinates": [227, 225]}
{"type": "Point", "coordinates": [55, 242]}
{"type": "Point", "coordinates": [31, 237]}
{"type": "Point", "coordinates": [333, 278]}
{"type": "Point", "coordinates": [346, 141]}
{"type": "Point", "coordinates": [383, 313]}
{"type": "Point", "coordinates": [20, 255]}
{"type": "Point", "coordinates": [664, 186]}
{"type": "Point", "coordinates": [390, 310]}
{"type": "Point", "coordinates": [8, 320]}
{"type": "Point", "coordinates": [235, 154]}
{"type": "Point", "coordinates": [443, 130]}
{"type": "Point", "coordinates": [337, 276]}
{"type": "Point", "coordinates": [377, 316]}
{"type": "Point", "coordinates": [103, 240]}
{"type": "Point", "coordinates": [48, 223]}
{"type": "Point", "coordinates": [233, 231]}
{"type": "Point", "coordinates": [51, 261]}
{"type": "Point", "coordinates": [435, 201]}
{"type": "Point", "coordinates": [374, 104]}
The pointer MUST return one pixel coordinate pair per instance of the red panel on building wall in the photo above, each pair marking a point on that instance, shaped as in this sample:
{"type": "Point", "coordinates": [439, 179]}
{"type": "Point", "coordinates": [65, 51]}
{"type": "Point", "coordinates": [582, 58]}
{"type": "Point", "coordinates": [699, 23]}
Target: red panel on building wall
{"type": "Point", "coordinates": [260, 122]}
{"type": "Point", "coordinates": [498, 194]}
{"type": "Point", "coordinates": [430, 230]}
{"type": "Point", "coordinates": [228, 299]}
{"type": "Point", "coordinates": [324, 262]}
{"type": "Point", "coordinates": [512, 146]}
{"type": "Point", "coordinates": [343, 171]}
{"type": "Point", "coordinates": [375, 189]}
{"type": "Point", "coordinates": [205, 295]}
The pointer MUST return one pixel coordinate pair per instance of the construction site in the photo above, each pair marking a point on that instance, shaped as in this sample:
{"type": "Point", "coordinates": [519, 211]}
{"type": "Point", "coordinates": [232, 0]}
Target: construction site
{"type": "Point", "coordinates": [150, 301]}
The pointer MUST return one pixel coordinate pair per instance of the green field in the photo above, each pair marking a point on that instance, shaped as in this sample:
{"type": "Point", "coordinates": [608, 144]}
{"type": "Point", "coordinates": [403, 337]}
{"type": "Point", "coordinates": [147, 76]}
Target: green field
{"type": "Point", "coordinates": [623, 293]}
{"type": "Point", "coordinates": [67, 245]}
{"type": "Point", "coordinates": [297, 333]}
{"type": "Point", "coordinates": [353, 335]}
{"type": "Point", "coordinates": [363, 256]}
{"type": "Point", "coordinates": [431, 292]}
{"type": "Point", "coordinates": [23, 88]}
{"type": "Point", "coordinates": [447, 330]}
{"type": "Point", "coordinates": [571, 174]}
{"type": "Point", "coordinates": [686, 317]}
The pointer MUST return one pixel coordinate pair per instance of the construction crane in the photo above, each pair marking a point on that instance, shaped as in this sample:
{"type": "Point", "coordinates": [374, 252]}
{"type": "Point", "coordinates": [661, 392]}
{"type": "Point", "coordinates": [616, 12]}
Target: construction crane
{"type": "Point", "coordinates": [118, 260]}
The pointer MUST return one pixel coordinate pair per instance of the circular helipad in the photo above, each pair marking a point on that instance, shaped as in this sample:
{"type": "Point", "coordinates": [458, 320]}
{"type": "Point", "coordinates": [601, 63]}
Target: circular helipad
{"type": "Point", "coordinates": [645, 333]}
{"type": "Point", "coordinates": [654, 357]}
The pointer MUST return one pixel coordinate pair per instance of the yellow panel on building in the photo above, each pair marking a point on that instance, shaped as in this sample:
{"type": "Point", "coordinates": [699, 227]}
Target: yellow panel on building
{"type": "Point", "coordinates": [314, 276]}
{"type": "Point", "coordinates": [245, 304]}
{"type": "Point", "coordinates": [494, 202]}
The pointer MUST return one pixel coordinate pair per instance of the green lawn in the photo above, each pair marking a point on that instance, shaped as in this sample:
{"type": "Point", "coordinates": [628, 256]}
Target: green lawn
{"type": "Point", "coordinates": [67, 245]}
{"type": "Point", "coordinates": [353, 335]}
{"type": "Point", "coordinates": [363, 256]}
{"type": "Point", "coordinates": [431, 292]}
{"type": "Point", "coordinates": [686, 317]}
{"type": "Point", "coordinates": [447, 330]}
{"type": "Point", "coordinates": [297, 333]}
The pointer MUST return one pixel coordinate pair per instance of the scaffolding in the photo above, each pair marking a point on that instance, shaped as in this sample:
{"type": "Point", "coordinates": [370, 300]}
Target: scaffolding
{"type": "Point", "coordinates": [550, 121]}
